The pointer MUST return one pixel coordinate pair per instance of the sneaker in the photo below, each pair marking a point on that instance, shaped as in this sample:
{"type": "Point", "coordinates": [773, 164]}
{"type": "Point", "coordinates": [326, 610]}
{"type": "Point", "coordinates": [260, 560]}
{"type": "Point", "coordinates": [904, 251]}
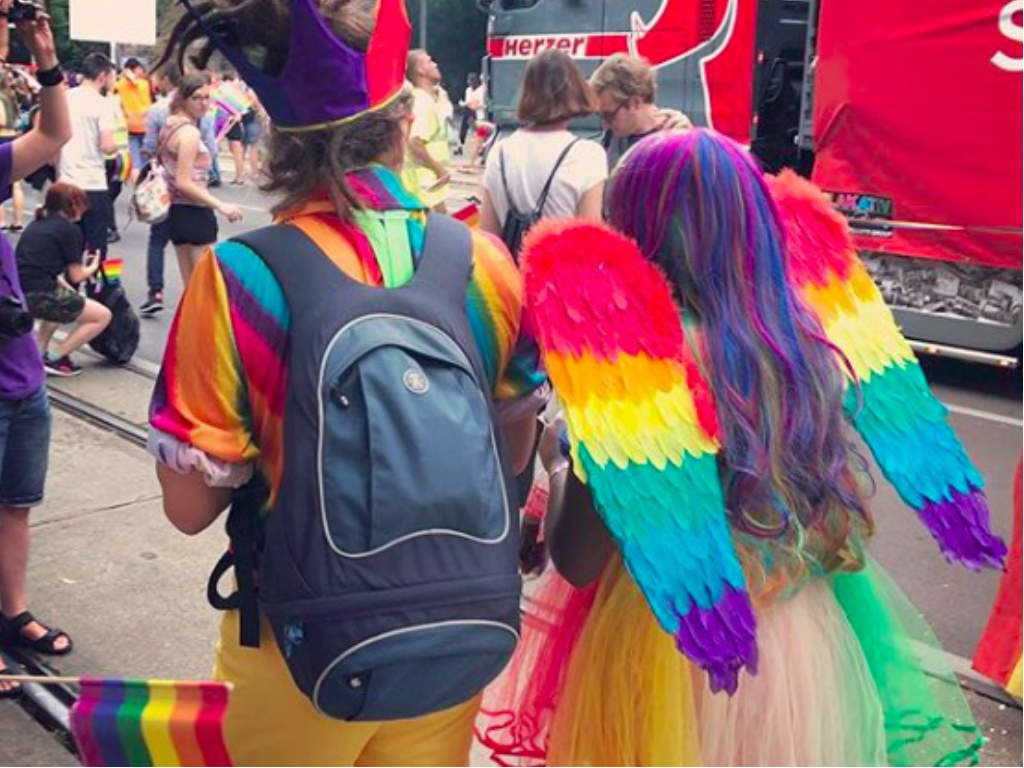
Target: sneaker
{"type": "Point", "coordinates": [62, 366]}
{"type": "Point", "coordinates": [153, 305]}
{"type": "Point", "coordinates": [113, 236]}
{"type": "Point", "coordinates": [213, 183]}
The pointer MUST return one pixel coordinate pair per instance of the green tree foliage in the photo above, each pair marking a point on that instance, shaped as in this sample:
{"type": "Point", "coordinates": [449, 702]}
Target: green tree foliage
{"type": "Point", "coordinates": [456, 38]}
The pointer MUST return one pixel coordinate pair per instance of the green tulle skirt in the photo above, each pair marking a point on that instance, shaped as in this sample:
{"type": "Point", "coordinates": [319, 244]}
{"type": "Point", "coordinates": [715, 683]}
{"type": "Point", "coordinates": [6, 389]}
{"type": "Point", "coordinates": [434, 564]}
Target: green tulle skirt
{"type": "Point", "coordinates": [927, 719]}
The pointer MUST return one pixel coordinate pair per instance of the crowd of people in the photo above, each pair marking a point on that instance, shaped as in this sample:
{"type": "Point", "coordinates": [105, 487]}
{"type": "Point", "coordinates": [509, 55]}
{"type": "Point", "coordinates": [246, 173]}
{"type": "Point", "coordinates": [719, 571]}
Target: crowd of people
{"type": "Point", "coordinates": [648, 317]}
{"type": "Point", "coordinates": [122, 119]}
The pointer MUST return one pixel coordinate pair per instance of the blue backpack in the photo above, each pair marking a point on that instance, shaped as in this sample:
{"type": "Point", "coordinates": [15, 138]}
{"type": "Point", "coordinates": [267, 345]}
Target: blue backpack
{"type": "Point", "coordinates": [387, 566]}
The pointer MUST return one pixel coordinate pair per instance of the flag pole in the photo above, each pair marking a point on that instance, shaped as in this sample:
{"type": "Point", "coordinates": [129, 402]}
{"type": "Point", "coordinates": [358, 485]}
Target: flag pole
{"type": "Point", "coordinates": [65, 680]}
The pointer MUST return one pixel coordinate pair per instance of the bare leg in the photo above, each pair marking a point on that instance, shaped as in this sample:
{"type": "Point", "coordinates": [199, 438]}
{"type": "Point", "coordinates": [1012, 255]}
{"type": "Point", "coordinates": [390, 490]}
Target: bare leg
{"type": "Point", "coordinates": [18, 200]}
{"type": "Point", "coordinates": [188, 256]}
{"type": "Point", "coordinates": [94, 318]}
{"type": "Point", "coordinates": [255, 161]}
{"type": "Point", "coordinates": [238, 155]}
{"type": "Point", "coordinates": [14, 541]}
{"type": "Point", "coordinates": [45, 334]}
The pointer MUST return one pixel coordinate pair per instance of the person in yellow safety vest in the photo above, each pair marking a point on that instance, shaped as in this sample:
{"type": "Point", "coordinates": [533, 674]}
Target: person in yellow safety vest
{"type": "Point", "coordinates": [119, 163]}
{"type": "Point", "coordinates": [426, 162]}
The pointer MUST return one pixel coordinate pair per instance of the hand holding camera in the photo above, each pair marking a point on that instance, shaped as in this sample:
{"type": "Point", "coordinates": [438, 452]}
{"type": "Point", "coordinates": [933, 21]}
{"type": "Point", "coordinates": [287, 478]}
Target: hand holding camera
{"type": "Point", "coordinates": [91, 262]}
{"type": "Point", "coordinates": [33, 22]}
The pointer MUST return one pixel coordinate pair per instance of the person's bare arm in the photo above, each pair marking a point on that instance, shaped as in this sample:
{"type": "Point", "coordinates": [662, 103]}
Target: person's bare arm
{"type": "Point", "coordinates": [575, 534]}
{"type": "Point", "coordinates": [188, 140]}
{"type": "Point", "coordinates": [107, 144]}
{"type": "Point", "coordinates": [85, 269]}
{"type": "Point", "coordinates": [189, 503]}
{"type": "Point", "coordinates": [590, 204]}
{"type": "Point", "coordinates": [488, 216]}
{"type": "Point", "coordinates": [519, 439]}
{"type": "Point", "coordinates": [53, 128]}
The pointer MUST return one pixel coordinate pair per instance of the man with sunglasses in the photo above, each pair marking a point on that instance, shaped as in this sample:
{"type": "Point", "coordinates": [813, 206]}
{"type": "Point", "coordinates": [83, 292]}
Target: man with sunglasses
{"type": "Point", "coordinates": [625, 88]}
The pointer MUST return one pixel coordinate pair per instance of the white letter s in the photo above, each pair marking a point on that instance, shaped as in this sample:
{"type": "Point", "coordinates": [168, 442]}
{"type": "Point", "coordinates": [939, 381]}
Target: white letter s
{"type": "Point", "coordinates": [1012, 31]}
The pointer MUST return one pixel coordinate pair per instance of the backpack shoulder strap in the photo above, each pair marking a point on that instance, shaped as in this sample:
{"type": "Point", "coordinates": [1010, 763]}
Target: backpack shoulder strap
{"type": "Point", "coordinates": [285, 248]}
{"type": "Point", "coordinates": [447, 259]}
{"type": "Point", "coordinates": [539, 210]}
{"type": "Point", "coordinates": [504, 183]}
{"type": "Point", "coordinates": [244, 529]}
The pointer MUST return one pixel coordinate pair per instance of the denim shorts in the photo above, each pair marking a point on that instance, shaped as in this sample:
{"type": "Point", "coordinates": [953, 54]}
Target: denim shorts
{"type": "Point", "coordinates": [24, 449]}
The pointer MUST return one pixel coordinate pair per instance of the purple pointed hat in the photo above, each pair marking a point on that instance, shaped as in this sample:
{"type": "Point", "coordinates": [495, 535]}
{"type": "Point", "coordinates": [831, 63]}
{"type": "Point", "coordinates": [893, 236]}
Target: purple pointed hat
{"type": "Point", "coordinates": [324, 81]}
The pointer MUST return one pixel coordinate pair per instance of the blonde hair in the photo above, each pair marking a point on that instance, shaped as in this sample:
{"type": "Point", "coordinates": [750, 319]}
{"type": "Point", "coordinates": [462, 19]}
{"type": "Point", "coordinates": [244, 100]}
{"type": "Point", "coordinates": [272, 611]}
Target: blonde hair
{"type": "Point", "coordinates": [624, 78]}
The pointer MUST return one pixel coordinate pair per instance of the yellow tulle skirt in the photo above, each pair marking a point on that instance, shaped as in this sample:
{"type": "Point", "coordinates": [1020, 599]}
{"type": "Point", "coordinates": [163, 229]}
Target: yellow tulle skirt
{"type": "Point", "coordinates": [613, 710]}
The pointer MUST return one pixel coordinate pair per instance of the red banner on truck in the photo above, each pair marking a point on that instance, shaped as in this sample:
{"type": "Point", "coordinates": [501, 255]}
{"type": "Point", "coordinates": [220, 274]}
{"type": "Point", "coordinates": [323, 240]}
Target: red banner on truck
{"type": "Point", "coordinates": [918, 125]}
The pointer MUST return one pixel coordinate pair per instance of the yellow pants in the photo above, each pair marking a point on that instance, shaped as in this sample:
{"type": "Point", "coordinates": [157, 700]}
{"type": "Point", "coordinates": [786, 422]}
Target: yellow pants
{"type": "Point", "coordinates": [270, 722]}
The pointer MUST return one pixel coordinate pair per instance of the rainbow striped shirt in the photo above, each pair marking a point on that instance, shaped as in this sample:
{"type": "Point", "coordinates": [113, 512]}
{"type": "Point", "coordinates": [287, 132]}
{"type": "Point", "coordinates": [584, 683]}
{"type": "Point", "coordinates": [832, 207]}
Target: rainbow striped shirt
{"type": "Point", "coordinates": [224, 377]}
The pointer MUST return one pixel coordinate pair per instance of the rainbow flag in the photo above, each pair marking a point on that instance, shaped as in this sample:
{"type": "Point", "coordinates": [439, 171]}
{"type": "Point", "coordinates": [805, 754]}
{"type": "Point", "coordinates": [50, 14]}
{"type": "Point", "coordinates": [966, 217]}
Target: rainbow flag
{"type": "Point", "coordinates": [117, 721]}
{"type": "Point", "coordinates": [999, 651]}
{"type": "Point", "coordinates": [112, 268]}
{"type": "Point", "coordinates": [469, 215]}
{"type": "Point", "coordinates": [643, 431]}
{"type": "Point", "coordinates": [891, 405]}
{"type": "Point", "coordinates": [229, 102]}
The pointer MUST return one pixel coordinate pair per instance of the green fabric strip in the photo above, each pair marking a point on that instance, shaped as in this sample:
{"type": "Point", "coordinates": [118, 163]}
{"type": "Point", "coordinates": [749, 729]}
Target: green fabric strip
{"type": "Point", "coordinates": [388, 233]}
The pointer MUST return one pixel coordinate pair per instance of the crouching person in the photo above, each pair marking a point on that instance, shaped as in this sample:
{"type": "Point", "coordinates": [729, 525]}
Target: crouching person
{"type": "Point", "coordinates": [50, 263]}
{"type": "Point", "coordinates": [352, 384]}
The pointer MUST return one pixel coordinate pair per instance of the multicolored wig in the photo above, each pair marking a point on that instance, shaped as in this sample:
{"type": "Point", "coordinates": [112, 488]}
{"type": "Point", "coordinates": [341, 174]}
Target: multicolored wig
{"type": "Point", "coordinates": [714, 230]}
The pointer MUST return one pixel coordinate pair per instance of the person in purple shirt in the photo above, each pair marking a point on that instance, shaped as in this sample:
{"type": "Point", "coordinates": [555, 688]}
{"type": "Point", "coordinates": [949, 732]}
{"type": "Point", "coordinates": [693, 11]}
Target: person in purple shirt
{"type": "Point", "coordinates": [24, 410]}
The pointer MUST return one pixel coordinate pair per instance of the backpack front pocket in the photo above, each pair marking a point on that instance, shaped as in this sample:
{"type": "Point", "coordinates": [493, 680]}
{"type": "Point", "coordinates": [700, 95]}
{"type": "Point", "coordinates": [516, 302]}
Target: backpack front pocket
{"type": "Point", "coordinates": [408, 448]}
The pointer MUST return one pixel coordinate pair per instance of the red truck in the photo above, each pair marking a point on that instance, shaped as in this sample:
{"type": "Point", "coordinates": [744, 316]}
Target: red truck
{"type": "Point", "coordinates": [908, 114]}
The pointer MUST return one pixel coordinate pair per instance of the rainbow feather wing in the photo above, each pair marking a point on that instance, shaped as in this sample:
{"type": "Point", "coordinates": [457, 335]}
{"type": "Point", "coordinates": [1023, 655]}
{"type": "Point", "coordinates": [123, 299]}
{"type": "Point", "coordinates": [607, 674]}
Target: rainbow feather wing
{"type": "Point", "coordinates": [904, 425]}
{"type": "Point", "coordinates": [642, 426]}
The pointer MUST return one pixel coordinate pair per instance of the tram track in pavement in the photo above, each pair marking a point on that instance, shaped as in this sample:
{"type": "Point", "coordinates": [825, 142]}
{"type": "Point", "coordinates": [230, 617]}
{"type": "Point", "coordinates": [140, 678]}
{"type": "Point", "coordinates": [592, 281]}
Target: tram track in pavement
{"type": "Point", "coordinates": [62, 397]}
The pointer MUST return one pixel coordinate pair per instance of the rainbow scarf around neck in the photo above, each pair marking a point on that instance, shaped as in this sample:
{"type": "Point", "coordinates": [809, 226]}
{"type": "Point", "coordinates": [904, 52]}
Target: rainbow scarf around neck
{"type": "Point", "coordinates": [891, 406]}
{"type": "Point", "coordinates": [119, 721]}
{"type": "Point", "coordinates": [643, 432]}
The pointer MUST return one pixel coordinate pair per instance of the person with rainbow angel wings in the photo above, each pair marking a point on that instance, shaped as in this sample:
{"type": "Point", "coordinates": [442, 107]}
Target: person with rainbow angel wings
{"type": "Point", "coordinates": [711, 360]}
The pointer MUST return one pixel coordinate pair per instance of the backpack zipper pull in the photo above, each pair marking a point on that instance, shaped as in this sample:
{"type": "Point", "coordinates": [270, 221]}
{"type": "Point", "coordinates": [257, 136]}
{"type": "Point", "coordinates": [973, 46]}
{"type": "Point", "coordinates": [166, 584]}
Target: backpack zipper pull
{"type": "Point", "coordinates": [339, 397]}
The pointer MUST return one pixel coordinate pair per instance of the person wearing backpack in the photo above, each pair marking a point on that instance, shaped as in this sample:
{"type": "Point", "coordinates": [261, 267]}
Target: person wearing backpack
{"type": "Point", "coordinates": [542, 170]}
{"type": "Point", "coordinates": [366, 397]}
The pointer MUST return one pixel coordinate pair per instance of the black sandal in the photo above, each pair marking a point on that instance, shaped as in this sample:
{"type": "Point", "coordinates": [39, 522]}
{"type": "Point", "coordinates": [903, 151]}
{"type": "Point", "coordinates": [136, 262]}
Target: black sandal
{"type": "Point", "coordinates": [12, 637]}
{"type": "Point", "coordinates": [9, 669]}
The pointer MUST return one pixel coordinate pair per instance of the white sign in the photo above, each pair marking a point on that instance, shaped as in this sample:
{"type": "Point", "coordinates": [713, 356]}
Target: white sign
{"type": "Point", "coordinates": [114, 21]}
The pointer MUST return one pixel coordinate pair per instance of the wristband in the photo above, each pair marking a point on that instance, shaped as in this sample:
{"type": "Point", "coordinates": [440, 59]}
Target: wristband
{"type": "Point", "coordinates": [50, 77]}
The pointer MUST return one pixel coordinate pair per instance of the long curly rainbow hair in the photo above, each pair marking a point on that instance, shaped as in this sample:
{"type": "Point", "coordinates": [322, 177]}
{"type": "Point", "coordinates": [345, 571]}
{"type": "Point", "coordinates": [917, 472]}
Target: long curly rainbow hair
{"type": "Point", "coordinates": [697, 205]}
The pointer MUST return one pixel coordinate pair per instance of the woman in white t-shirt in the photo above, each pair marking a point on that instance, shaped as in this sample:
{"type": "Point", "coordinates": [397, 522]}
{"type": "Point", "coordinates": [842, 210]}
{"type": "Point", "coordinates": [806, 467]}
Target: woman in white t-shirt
{"type": "Point", "coordinates": [554, 91]}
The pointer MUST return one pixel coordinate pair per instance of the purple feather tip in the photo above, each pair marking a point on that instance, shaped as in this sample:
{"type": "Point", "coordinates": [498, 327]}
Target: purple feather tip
{"type": "Point", "coordinates": [961, 526]}
{"type": "Point", "coordinates": [722, 639]}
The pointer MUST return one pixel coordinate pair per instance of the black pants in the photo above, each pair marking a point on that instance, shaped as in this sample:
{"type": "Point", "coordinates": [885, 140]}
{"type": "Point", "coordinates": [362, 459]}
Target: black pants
{"type": "Point", "coordinates": [468, 120]}
{"type": "Point", "coordinates": [97, 221]}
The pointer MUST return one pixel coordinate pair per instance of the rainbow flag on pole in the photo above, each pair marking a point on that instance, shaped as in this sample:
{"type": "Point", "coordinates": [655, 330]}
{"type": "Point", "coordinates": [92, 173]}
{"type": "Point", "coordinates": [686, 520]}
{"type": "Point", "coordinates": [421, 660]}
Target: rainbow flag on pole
{"type": "Point", "coordinates": [117, 721]}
